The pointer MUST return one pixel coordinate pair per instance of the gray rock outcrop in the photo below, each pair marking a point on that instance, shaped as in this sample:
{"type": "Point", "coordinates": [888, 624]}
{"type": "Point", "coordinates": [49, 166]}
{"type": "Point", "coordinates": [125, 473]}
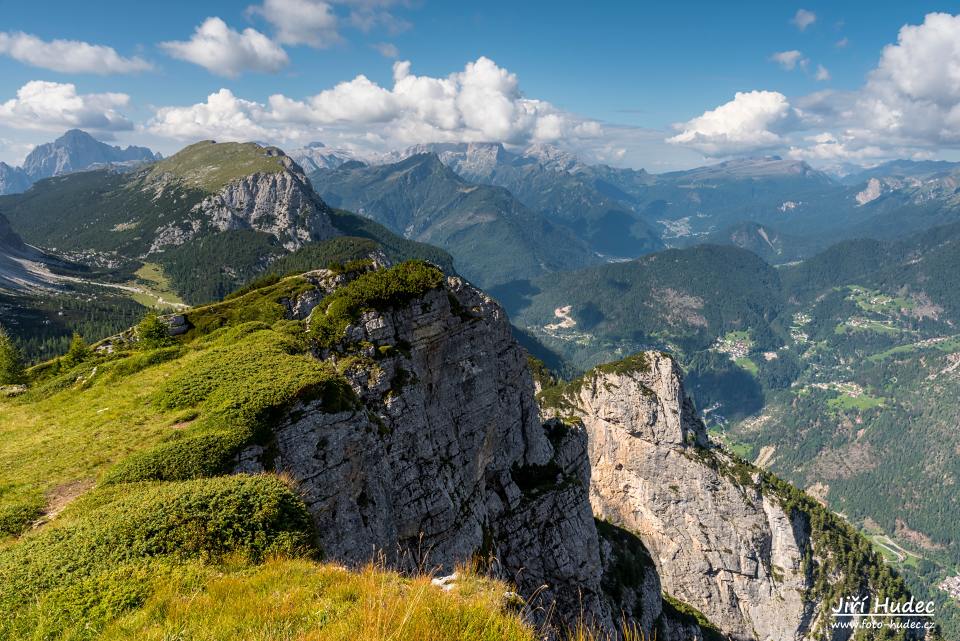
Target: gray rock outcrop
{"type": "Point", "coordinates": [717, 544]}
{"type": "Point", "coordinates": [446, 458]}
{"type": "Point", "coordinates": [281, 203]}
{"type": "Point", "coordinates": [13, 180]}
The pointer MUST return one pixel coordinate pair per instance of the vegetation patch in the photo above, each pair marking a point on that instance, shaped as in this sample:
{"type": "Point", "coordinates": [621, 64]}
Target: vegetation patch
{"type": "Point", "coordinates": [240, 385]}
{"type": "Point", "coordinates": [264, 304]}
{"type": "Point", "coordinates": [66, 581]}
{"type": "Point", "coordinates": [286, 599]}
{"type": "Point", "coordinates": [378, 290]}
{"type": "Point", "coordinates": [210, 166]}
{"type": "Point", "coordinates": [678, 610]}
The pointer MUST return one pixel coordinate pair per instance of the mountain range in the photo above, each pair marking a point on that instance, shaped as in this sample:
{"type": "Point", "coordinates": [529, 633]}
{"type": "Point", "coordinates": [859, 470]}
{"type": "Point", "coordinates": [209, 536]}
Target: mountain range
{"type": "Point", "coordinates": [815, 319]}
{"type": "Point", "coordinates": [493, 236]}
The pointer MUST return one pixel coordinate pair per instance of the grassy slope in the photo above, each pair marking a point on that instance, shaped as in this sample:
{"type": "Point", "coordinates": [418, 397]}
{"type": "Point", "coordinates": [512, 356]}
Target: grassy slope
{"type": "Point", "coordinates": [297, 599]}
{"type": "Point", "coordinates": [140, 536]}
{"type": "Point", "coordinates": [210, 166]}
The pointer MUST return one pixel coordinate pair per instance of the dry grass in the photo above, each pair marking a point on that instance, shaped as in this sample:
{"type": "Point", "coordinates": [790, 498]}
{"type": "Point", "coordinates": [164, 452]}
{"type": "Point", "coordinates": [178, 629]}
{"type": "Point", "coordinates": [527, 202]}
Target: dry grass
{"type": "Point", "coordinates": [298, 600]}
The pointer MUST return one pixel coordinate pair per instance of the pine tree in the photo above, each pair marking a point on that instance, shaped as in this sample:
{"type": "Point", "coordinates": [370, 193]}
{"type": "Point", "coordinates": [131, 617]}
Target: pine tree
{"type": "Point", "coordinates": [11, 361]}
{"type": "Point", "coordinates": [79, 351]}
{"type": "Point", "coordinates": [153, 332]}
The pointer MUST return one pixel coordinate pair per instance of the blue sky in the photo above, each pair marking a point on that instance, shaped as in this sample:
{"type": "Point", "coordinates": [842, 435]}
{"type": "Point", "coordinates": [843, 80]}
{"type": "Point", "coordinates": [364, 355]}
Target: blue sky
{"type": "Point", "coordinates": [612, 81]}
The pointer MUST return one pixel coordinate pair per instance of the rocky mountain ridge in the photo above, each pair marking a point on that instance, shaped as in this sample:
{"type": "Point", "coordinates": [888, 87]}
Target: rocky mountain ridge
{"type": "Point", "coordinates": [275, 199]}
{"type": "Point", "coordinates": [522, 476]}
{"type": "Point", "coordinates": [493, 236]}
{"type": "Point", "coordinates": [76, 150]}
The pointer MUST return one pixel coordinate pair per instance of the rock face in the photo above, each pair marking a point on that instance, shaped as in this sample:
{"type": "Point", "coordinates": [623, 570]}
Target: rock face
{"type": "Point", "coordinates": [447, 457]}
{"type": "Point", "coordinates": [13, 180]}
{"type": "Point", "coordinates": [77, 150]}
{"type": "Point", "coordinates": [718, 545]}
{"type": "Point", "coordinates": [281, 203]}
{"type": "Point", "coordinates": [316, 156]}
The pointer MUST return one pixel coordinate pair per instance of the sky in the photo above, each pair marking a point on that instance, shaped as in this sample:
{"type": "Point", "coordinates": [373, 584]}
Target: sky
{"type": "Point", "coordinates": [663, 86]}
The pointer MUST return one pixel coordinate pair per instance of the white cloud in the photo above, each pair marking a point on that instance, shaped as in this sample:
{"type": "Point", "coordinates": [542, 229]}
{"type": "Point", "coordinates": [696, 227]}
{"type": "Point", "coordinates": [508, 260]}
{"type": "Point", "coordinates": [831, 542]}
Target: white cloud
{"type": "Point", "coordinates": [827, 147]}
{"type": "Point", "coordinates": [68, 56]}
{"type": "Point", "coordinates": [908, 107]}
{"type": "Point", "coordinates": [789, 59]}
{"type": "Point", "coordinates": [803, 19]}
{"type": "Point", "coordinates": [842, 43]}
{"type": "Point", "coordinates": [223, 51]}
{"type": "Point", "coordinates": [747, 123]}
{"type": "Point", "coordinates": [54, 106]}
{"type": "Point", "coordinates": [300, 22]}
{"type": "Point", "coordinates": [914, 92]}
{"type": "Point", "coordinates": [223, 116]}
{"type": "Point", "coordinates": [387, 49]}
{"type": "Point", "coordinates": [481, 103]}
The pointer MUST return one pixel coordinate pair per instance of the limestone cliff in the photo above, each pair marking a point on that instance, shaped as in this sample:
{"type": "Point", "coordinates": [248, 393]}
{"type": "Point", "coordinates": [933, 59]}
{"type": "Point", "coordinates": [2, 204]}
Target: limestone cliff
{"type": "Point", "coordinates": [443, 455]}
{"type": "Point", "coordinates": [446, 457]}
{"type": "Point", "coordinates": [752, 554]}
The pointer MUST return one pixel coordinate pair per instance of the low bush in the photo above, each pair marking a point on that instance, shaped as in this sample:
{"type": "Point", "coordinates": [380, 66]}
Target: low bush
{"type": "Point", "coordinates": [264, 304]}
{"type": "Point", "coordinates": [377, 290]}
{"type": "Point", "coordinates": [240, 384]}
{"type": "Point", "coordinates": [104, 561]}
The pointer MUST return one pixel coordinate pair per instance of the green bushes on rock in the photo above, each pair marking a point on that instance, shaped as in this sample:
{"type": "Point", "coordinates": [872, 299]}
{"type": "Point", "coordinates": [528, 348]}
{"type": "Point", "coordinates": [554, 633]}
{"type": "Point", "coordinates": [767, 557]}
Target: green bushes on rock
{"type": "Point", "coordinates": [246, 379]}
{"type": "Point", "coordinates": [377, 290]}
{"type": "Point", "coordinates": [152, 332]}
{"type": "Point", "coordinates": [264, 304]}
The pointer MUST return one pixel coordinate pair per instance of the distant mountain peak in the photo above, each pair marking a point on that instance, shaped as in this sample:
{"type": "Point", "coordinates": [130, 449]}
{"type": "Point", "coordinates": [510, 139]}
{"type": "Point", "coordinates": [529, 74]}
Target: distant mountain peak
{"type": "Point", "coordinates": [77, 150]}
{"type": "Point", "coordinates": [553, 157]}
{"type": "Point", "coordinates": [316, 155]}
{"type": "Point", "coordinates": [13, 180]}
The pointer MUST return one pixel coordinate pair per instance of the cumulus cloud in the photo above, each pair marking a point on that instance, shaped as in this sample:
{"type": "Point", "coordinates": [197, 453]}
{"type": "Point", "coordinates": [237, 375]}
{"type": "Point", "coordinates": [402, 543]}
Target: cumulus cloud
{"type": "Point", "coordinates": [789, 59]}
{"type": "Point", "coordinates": [226, 52]}
{"type": "Point", "coordinates": [908, 107]}
{"type": "Point", "coordinates": [914, 92]}
{"type": "Point", "coordinates": [68, 56]}
{"type": "Point", "coordinates": [803, 19]}
{"type": "Point", "coordinates": [300, 22]}
{"type": "Point", "coordinates": [222, 116]}
{"type": "Point", "coordinates": [481, 103]}
{"type": "Point", "coordinates": [748, 123]}
{"type": "Point", "coordinates": [55, 106]}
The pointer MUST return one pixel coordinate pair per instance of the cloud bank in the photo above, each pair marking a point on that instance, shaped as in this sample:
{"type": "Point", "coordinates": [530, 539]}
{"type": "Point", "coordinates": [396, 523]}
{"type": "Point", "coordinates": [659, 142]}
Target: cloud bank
{"type": "Point", "coordinates": [908, 106]}
{"type": "Point", "coordinates": [68, 56]}
{"type": "Point", "coordinates": [54, 106]}
{"type": "Point", "coordinates": [480, 103]}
